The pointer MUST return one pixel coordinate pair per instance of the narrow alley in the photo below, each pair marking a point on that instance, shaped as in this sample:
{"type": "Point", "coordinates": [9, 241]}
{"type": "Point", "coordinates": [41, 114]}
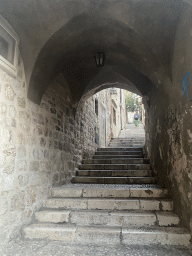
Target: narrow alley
{"type": "Point", "coordinates": [95, 127]}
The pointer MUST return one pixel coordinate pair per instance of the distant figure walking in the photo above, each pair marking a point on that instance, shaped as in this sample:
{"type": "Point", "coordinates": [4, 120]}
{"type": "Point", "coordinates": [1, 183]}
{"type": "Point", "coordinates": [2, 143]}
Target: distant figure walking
{"type": "Point", "coordinates": [136, 120]}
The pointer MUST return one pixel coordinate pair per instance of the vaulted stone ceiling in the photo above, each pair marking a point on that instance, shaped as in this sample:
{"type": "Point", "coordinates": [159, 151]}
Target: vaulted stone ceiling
{"type": "Point", "coordinates": [61, 37]}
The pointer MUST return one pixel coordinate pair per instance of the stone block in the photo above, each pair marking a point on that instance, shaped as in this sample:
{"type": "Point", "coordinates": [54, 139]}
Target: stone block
{"type": "Point", "coordinates": [90, 218]}
{"type": "Point", "coordinates": [52, 216]}
{"type": "Point", "coordinates": [66, 192]}
{"type": "Point", "coordinates": [101, 204]}
{"type": "Point", "coordinates": [4, 206]}
{"type": "Point", "coordinates": [97, 235]}
{"type": "Point", "coordinates": [21, 152]}
{"type": "Point", "coordinates": [138, 237]}
{"type": "Point", "coordinates": [8, 181]}
{"type": "Point", "coordinates": [166, 205]}
{"type": "Point", "coordinates": [21, 102]}
{"type": "Point", "coordinates": [91, 192]}
{"type": "Point", "coordinates": [9, 93]}
{"type": "Point", "coordinates": [152, 192]}
{"type": "Point", "coordinates": [12, 111]}
{"type": "Point", "coordinates": [66, 203]}
{"type": "Point", "coordinates": [18, 201]}
{"type": "Point", "coordinates": [51, 232]}
{"type": "Point", "coordinates": [167, 219]}
{"type": "Point", "coordinates": [127, 204]}
{"type": "Point", "coordinates": [132, 219]}
{"type": "Point", "coordinates": [3, 109]}
{"type": "Point", "coordinates": [34, 166]}
{"type": "Point", "coordinates": [150, 205]}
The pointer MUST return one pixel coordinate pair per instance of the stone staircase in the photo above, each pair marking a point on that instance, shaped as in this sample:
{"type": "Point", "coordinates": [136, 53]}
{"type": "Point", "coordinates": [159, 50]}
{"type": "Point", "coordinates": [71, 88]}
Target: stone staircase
{"type": "Point", "coordinates": [119, 204]}
{"type": "Point", "coordinates": [120, 163]}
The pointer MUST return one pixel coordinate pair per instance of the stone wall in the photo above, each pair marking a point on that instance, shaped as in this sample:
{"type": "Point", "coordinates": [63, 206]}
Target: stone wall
{"type": "Point", "coordinates": [169, 125]}
{"type": "Point", "coordinates": [104, 103]}
{"type": "Point", "coordinates": [41, 145]}
{"type": "Point", "coordinates": [120, 114]}
{"type": "Point", "coordinates": [40, 148]}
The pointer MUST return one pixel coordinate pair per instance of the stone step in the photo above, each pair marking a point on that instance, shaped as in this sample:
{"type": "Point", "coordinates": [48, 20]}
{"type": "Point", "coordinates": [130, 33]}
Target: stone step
{"type": "Point", "coordinates": [111, 153]}
{"type": "Point", "coordinates": [107, 235]}
{"type": "Point", "coordinates": [126, 142]}
{"type": "Point", "coordinates": [125, 146]}
{"type": "Point", "coordinates": [129, 138]}
{"type": "Point", "coordinates": [106, 191]}
{"type": "Point", "coordinates": [114, 167]}
{"type": "Point", "coordinates": [114, 180]}
{"type": "Point", "coordinates": [109, 218]}
{"type": "Point", "coordinates": [116, 161]}
{"type": "Point", "coordinates": [109, 204]}
{"type": "Point", "coordinates": [121, 149]}
{"type": "Point", "coordinates": [117, 173]}
{"type": "Point", "coordinates": [116, 156]}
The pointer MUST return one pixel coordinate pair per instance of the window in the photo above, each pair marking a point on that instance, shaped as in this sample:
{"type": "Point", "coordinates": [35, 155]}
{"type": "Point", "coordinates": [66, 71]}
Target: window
{"type": "Point", "coordinates": [114, 116]}
{"type": "Point", "coordinates": [96, 107]}
{"type": "Point", "coordinates": [8, 47]}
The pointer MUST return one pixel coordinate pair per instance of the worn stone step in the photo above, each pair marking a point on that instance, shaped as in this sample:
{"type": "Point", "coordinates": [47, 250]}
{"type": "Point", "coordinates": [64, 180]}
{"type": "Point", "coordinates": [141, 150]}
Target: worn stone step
{"type": "Point", "coordinates": [121, 149]}
{"type": "Point", "coordinates": [108, 218]}
{"type": "Point", "coordinates": [163, 236]}
{"type": "Point", "coordinates": [123, 144]}
{"type": "Point", "coordinates": [114, 180]}
{"type": "Point", "coordinates": [109, 204]}
{"type": "Point", "coordinates": [117, 173]}
{"type": "Point", "coordinates": [116, 156]}
{"type": "Point", "coordinates": [129, 138]}
{"type": "Point", "coordinates": [109, 192]}
{"type": "Point", "coordinates": [73, 234]}
{"type": "Point", "coordinates": [127, 142]}
{"type": "Point", "coordinates": [114, 167]}
{"type": "Point", "coordinates": [111, 153]}
{"type": "Point", "coordinates": [123, 219]}
{"type": "Point", "coordinates": [53, 216]}
{"type": "Point", "coordinates": [116, 161]}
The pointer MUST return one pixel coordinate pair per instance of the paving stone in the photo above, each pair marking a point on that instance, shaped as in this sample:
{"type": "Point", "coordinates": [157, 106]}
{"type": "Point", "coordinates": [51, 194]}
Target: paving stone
{"type": "Point", "coordinates": [61, 248]}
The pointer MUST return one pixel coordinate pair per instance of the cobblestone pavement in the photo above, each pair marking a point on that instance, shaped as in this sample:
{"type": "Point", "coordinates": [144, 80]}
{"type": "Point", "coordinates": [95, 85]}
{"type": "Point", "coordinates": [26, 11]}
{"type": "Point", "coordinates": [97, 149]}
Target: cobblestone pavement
{"type": "Point", "coordinates": [58, 248]}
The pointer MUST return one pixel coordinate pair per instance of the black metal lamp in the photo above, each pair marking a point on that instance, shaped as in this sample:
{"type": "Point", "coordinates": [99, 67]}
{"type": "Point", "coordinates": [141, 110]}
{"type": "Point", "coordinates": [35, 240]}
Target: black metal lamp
{"type": "Point", "coordinates": [99, 59]}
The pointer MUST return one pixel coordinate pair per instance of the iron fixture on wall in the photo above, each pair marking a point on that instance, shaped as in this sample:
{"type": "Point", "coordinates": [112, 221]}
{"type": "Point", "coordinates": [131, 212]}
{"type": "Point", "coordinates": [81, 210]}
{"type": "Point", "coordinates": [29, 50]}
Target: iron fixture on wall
{"type": "Point", "coordinates": [99, 59]}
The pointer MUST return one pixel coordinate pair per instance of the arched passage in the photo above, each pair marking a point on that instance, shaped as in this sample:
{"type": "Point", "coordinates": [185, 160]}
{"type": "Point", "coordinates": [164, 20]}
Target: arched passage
{"type": "Point", "coordinates": [147, 45]}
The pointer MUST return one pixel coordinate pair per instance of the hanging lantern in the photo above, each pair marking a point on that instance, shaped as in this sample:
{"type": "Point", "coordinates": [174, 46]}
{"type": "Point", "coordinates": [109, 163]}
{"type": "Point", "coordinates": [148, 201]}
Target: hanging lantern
{"type": "Point", "coordinates": [99, 59]}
